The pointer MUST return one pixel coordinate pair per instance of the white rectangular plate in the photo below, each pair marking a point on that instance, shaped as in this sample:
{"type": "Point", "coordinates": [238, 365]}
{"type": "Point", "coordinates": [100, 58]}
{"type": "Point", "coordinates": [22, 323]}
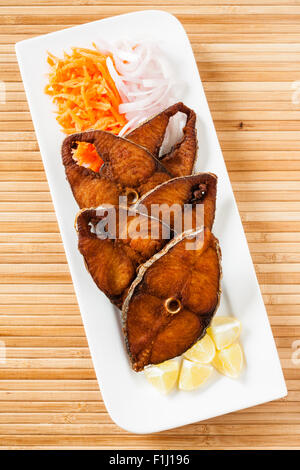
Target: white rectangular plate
{"type": "Point", "coordinates": [132, 403]}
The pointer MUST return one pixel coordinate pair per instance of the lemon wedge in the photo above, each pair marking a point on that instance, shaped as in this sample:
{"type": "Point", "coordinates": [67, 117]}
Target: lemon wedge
{"type": "Point", "coordinates": [193, 374]}
{"type": "Point", "coordinates": [163, 376]}
{"type": "Point", "coordinates": [224, 331]}
{"type": "Point", "coordinates": [203, 351]}
{"type": "Point", "coordinates": [229, 361]}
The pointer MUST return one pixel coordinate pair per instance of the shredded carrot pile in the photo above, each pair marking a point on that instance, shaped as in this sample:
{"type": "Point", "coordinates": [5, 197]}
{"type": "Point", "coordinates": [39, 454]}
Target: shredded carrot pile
{"type": "Point", "coordinates": [85, 95]}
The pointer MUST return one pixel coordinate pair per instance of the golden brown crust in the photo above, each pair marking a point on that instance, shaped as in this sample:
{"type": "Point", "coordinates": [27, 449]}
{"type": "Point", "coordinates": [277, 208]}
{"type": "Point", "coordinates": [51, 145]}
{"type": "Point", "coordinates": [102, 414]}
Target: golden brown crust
{"type": "Point", "coordinates": [180, 191]}
{"type": "Point", "coordinates": [112, 263]}
{"type": "Point", "coordinates": [126, 166]}
{"type": "Point", "coordinates": [150, 134]}
{"type": "Point", "coordinates": [193, 190]}
{"type": "Point", "coordinates": [152, 333]}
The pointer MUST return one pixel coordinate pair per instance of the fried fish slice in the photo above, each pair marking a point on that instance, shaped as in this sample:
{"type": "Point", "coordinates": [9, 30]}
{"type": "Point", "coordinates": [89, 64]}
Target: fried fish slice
{"type": "Point", "coordinates": [128, 169]}
{"type": "Point", "coordinates": [150, 135]}
{"type": "Point", "coordinates": [170, 198]}
{"type": "Point", "coordinates": [112, 262]}
{"type": "Point", "coordinates": [176, 193]}
{"type": "Point", "coordinates": [173, 299]}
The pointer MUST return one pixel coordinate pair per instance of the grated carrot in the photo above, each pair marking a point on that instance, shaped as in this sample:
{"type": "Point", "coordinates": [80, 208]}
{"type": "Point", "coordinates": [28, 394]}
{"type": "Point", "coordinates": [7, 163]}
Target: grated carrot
{"type": "Point", "coordinates": [85, 96]}
{"type": "Point", "coordinates": [86, 155]}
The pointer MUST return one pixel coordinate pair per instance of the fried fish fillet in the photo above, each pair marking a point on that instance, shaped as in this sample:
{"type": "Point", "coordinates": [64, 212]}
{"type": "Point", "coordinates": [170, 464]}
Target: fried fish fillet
{"type": "Point", "coordinates": [150, 135]}
{"type": "Point", "coordinates": [128, 169]}
{"type": "Point", "coordinates": [173, 299]}
{"type": "Point", "coordinates": [189, 191]}
{"type": "Point", "coordinates": [113, 262]}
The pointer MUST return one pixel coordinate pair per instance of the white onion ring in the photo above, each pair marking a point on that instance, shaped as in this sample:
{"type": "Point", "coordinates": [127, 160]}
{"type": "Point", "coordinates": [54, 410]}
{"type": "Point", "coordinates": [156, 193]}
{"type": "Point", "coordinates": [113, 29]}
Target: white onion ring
{"type": "Point", "coordinates": [143, 79]}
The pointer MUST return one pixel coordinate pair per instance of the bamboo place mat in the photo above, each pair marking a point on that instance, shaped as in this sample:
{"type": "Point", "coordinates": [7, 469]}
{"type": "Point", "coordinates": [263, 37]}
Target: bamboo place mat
{"type": "Point", "coordinates": [248, 54]}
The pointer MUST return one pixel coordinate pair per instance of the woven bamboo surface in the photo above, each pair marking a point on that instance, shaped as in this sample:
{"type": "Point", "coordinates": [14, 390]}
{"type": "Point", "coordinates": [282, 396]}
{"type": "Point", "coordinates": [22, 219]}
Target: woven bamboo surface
{"type": "Point", "coordinates": [248, 54]}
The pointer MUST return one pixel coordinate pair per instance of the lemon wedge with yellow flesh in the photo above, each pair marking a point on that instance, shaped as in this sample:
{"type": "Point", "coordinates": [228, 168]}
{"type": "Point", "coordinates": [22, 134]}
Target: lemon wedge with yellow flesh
{"type": "Point", "coordinates": [224, 331]}
{"type": "Point", "coordinates": [229, 361]}
{"type": "Point", "coordinates": [163, 376]}
{"type": "Point", "coordinates": [203, 351]}
{"type": "Point", "coordinates": [193, 375]}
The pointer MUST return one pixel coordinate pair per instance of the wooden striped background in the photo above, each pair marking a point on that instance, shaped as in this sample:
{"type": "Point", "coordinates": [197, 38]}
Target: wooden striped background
{"type": "Point", "coordinates": [248, 54]}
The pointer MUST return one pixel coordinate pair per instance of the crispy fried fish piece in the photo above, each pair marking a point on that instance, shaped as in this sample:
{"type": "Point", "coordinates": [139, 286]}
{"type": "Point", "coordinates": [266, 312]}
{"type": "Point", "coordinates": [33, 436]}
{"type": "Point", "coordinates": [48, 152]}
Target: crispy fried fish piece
{"type": "Point", "coordinates": [128, 169]}
{"type": "Point", "coordinates": [173, 299]}
{"type": "Point", "coordinates": [112, 262]}
{"type": "Point", "coordinates": [150, 135]}
{"type": "Point", "coordinates": [193, 190]}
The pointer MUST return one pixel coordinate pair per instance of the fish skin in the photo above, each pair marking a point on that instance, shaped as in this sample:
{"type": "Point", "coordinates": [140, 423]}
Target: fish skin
{"type": "Point", "coordinates": [150, 135]}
